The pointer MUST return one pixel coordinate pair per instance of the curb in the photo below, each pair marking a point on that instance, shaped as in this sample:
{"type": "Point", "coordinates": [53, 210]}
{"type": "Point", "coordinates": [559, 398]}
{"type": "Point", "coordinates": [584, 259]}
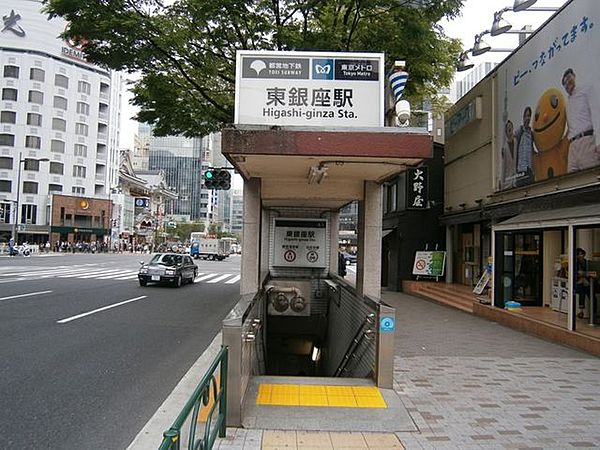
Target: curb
{"type": "Point", "coordinates": [151, 435]}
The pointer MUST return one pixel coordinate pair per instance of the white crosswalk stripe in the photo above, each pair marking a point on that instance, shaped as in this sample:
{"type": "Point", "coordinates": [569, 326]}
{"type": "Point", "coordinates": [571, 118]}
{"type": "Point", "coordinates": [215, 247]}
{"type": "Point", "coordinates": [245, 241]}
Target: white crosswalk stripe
{"type": "Point", "coordinates": [206, 277]}
{"type": "Point", "coordinates": [233, 280]}
{"type": "Point", "coordinates": [97, 272]}
{"type": "Point", "coordinates": [220, 278]}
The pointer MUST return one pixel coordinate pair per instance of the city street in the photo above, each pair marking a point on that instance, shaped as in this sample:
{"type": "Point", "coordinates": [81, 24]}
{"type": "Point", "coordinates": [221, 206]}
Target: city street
{"type": "Point", "coordinates": [88, 355]}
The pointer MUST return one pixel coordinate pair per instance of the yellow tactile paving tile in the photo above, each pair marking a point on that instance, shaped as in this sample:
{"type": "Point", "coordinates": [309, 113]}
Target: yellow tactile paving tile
{"type": "Point", "coordinates": [320, 395]}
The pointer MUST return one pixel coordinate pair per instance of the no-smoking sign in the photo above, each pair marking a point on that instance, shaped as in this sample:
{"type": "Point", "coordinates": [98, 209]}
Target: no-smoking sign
{"type": "Point", "coordinates": [420, 264]}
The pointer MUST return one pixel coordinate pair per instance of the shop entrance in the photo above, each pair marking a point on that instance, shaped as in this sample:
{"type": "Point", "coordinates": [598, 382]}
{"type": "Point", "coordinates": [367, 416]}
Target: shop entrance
{"type": "Point", "coordinates": [519, 256]}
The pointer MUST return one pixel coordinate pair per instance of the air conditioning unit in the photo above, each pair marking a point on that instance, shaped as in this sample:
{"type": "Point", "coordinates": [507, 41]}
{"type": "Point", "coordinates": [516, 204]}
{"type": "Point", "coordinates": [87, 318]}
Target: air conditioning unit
{"type": "Point", "coordinates": [288, 298]}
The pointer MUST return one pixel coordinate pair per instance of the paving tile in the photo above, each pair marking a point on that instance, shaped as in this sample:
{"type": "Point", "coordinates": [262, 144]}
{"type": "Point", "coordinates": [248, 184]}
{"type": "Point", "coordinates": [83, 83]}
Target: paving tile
{"type": "Point", "coordinates": [382, 440]}
{"type": "Point", "coordinates": [348, 440]}
{"type": "Point", "coordinates": [279, 439]}
{"type": "Point", "coordinates": [309, 439]}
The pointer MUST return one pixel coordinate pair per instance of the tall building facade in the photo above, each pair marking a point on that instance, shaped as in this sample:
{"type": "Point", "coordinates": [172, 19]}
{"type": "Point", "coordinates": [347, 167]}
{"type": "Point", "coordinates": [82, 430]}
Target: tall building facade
{"type": "Point", "coordinates": [59, 121]}
{"type": "Point", "coordinates": [180, 159]}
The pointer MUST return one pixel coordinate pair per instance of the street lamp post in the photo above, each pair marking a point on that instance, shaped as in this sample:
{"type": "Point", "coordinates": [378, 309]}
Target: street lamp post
{"type": "Point", "coordinates": [16, 221]}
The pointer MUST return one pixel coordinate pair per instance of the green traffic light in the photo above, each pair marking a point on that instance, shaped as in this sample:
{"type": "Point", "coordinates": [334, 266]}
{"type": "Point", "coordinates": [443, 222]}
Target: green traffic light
{"type": "Point", "coordinates": [208, 174]}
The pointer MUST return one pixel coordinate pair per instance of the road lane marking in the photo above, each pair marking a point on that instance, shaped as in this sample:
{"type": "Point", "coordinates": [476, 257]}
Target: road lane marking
{"type": "Point", "coordinates": [24, 295]}
{"type": "Point", "coordinates": [233, 280]}
{"type": "Point", "coordinates": [104, 308]}
{"type": "Point", "coordinates": [221, 278]}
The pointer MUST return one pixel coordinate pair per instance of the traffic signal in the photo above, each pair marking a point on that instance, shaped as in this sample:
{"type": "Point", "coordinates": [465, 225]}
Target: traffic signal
{"type": "Point", "coordinates": [217, 179]}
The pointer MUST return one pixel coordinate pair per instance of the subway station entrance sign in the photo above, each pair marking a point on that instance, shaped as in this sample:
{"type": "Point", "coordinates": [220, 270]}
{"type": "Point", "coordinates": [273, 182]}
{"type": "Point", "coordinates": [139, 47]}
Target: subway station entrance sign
{"type": "Point", "coordinates": [309, 89]}
{"type": "Point", "coordinates": [300, 243]}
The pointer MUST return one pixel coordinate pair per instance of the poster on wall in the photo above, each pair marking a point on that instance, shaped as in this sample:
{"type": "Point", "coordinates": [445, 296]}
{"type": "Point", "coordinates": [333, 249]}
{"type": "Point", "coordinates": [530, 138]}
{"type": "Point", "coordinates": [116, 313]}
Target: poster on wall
{"type": "Point", "coordinates": [548, 105]}
{"type": "Point", "coordinates": [429, 263]}
{"type": "Point", "coordinates": [300, 243]}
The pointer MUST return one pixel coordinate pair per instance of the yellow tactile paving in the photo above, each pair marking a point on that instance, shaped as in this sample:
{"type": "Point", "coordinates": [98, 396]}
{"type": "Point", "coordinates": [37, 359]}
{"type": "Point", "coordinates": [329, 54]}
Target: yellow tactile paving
{"type": "Point", "coordinates": [320, 395]}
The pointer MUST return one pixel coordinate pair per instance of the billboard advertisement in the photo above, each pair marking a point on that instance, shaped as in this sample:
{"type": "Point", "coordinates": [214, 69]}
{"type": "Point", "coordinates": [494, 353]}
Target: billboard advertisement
{"type": "Point", "coordinates": [548, 107]}
{"type": "Point", "coordinates": [24, 26]}
{"type": "Point", "coordinates": [309, 89]}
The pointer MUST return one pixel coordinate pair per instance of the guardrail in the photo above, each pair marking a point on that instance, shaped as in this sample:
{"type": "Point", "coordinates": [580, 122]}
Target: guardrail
{"type": "Point", "coordinates": [202, 397]}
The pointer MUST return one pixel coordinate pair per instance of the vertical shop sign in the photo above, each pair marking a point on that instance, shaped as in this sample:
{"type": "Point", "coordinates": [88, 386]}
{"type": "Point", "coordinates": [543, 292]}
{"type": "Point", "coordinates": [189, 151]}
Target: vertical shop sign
{"type": "Point", "coordinates": [417, 191]}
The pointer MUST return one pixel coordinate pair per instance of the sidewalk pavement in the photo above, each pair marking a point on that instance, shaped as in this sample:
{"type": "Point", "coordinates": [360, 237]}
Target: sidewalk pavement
{"type": "Point", "coordinates": [467, 383]}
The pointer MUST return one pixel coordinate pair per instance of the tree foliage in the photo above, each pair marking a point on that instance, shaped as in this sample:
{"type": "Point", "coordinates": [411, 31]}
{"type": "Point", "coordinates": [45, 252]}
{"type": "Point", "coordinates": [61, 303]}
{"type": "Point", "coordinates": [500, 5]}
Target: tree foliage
{"type": "Point", "coordinates": [185, 51]}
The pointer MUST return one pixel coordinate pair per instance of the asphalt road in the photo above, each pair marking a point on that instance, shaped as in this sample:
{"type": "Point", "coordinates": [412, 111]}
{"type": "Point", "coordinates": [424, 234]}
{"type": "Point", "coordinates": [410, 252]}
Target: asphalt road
{"type": "Point", "coordinates": [75, 374]}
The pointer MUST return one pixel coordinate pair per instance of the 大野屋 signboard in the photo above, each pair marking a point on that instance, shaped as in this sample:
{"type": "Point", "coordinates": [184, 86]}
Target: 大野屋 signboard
{"type": "Point", "coordinates": [309, 89]}
{"type": "Point", "coordinates": [300, 243]}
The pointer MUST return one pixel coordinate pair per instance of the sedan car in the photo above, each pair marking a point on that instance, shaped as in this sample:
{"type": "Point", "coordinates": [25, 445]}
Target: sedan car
{"type": "Point", "coordinates": [168, 268]}
{"type": "Point", "coordinates": [350, 258]}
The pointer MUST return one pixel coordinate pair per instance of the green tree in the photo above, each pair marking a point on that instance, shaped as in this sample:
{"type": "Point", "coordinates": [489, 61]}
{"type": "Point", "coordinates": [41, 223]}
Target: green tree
{"type": "Point", "coordinates": [185, 52]}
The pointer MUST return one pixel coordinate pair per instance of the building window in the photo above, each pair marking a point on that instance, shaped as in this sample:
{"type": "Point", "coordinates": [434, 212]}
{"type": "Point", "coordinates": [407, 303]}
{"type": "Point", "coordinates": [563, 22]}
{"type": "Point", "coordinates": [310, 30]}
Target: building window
{"type": "Point", "coordinates": [4, 212]}
{"type": "Point", "coordinates": [83, 108]}
{"type": "Point", "coordinates": [60, 102]}
{"type": "Point", "coordinates": [36, 97]}
{"type": "Point", "coordinates": [28, 214]}
{"type": "Point", "coordinates": [9, 94]}
{"type": "Point", "coordinates": [8, 117]}
{"type": "Point", "coordinates": [59, 124]}
{"type": "Point", "coordinates": [56, 168]}
{"type": "Point", "coordinates": [80, 150]}
{"type": "Point", "coordinates": [79, 171]}
{"type": "Point", "coordinates": [6, 162]}
{"type": "Point", "coordinates": [57, 146]}
{"type": "Point", "coordinates": [84, 87]}
{"type": "Point", "coordinates": [81, 129]}
{"type": "Point", "coordinates": [7, 140]}
{"type": "Point", "coordinates": [34, 119]}
{"type": "Point", "coordinates": [30, 187]}
{"type": "Point", "coordinates": [11, 72]}
{"type": "Point", "coordinates": [61, 81]}
{"type": "Point", "coordinates": [78, 190]}
{"type": "Point", "coordinates": [37, 74]}
{"type": "Point", "coordinates": [32, 164]}
{"type": "Point", "coordinates": [5, 186]}
{"type": "Point", "coordinates": [54, 188]}
{"type": "Point", "coordinates": [33, 142]}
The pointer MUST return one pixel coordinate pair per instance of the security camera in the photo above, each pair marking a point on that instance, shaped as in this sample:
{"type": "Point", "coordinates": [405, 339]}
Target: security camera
{"type": "Point", "coordinates": [403, 112]}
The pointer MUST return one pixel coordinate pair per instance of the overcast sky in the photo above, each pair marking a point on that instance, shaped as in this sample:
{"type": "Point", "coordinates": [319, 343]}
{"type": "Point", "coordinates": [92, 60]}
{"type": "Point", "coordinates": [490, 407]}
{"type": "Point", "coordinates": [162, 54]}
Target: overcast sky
{"type": "Point", "coordinates": [477, 16]}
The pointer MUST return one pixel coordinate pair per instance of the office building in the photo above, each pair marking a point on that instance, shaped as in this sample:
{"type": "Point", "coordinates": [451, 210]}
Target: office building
{"type": "Point", "coordinates": [59, 119]}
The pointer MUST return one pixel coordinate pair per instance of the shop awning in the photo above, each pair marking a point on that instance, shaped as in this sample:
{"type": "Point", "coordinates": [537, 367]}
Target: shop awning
{"type": "Point", "coordinates": [552, 218]}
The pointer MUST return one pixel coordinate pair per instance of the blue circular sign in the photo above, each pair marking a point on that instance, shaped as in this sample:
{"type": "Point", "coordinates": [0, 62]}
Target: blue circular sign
{"type": "Point", "coordinates": [387, 324]}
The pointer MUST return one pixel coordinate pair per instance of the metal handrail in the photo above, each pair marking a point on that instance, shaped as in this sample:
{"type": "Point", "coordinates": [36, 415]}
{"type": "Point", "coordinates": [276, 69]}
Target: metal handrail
{"type": "Point", "coordinates": [361, 333]}
{"type": "Point", "coordinates": [200, 398]}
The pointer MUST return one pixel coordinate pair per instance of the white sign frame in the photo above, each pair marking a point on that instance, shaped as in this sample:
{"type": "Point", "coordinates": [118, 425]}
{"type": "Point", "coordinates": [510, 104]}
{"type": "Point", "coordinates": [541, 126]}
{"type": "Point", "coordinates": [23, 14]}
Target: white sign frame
{"type": "Point", "coordinates": [254, 95]}
{"type": "Point", "coordinates": [300, 242]}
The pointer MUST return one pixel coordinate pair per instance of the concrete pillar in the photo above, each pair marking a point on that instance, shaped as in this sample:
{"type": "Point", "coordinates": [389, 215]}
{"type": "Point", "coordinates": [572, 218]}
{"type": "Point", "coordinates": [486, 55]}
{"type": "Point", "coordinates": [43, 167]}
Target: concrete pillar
{"type": "Point", "coordinates": [370, 218]}
{"type": "Point", "coordinates": [450, 252]}
{"type": "Point", "coordinates": [334, 236]}
{"type": "Point", "coordinates": [250, 264]}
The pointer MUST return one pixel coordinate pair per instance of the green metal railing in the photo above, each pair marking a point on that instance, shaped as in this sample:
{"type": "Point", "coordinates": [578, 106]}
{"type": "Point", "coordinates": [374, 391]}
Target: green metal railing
{"type": "Point", "coordinates": [191, 410]}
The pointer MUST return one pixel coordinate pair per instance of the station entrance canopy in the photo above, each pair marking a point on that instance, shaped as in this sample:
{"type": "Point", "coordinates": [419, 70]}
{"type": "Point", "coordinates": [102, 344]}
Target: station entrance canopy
{"type": "Point", "coordinates": [310, 125]}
